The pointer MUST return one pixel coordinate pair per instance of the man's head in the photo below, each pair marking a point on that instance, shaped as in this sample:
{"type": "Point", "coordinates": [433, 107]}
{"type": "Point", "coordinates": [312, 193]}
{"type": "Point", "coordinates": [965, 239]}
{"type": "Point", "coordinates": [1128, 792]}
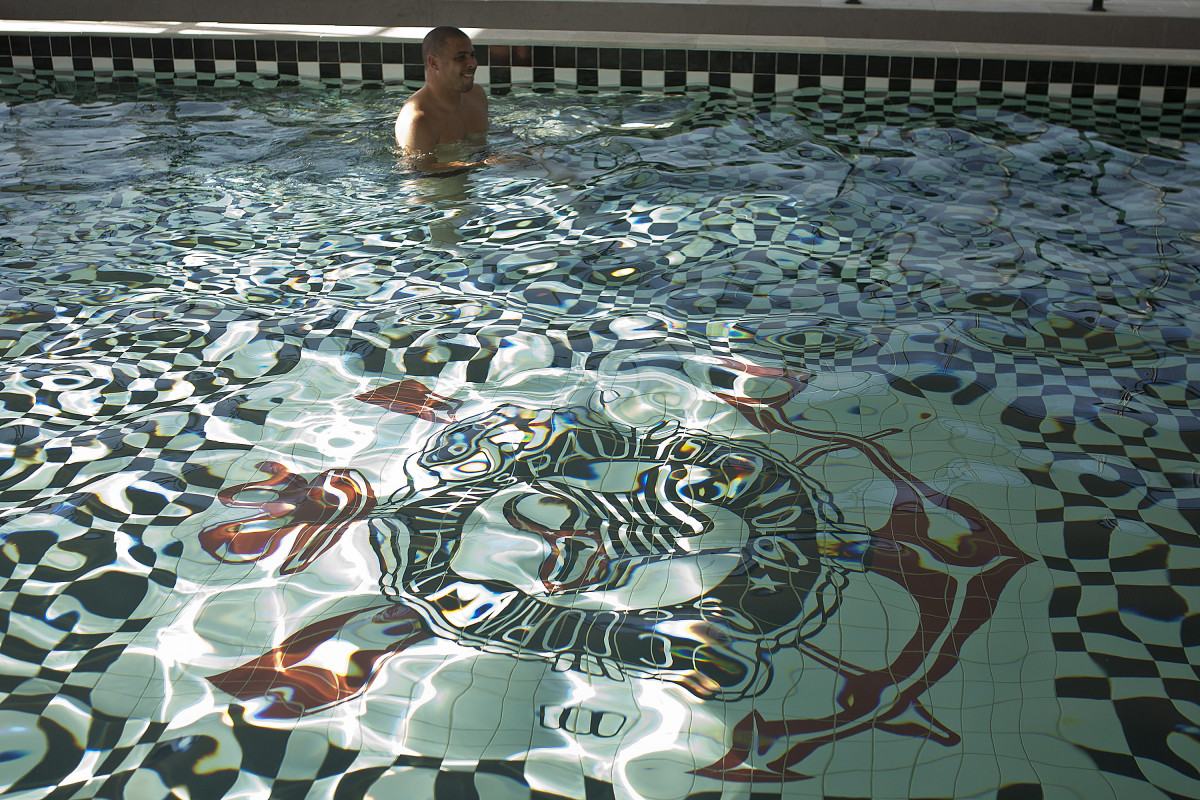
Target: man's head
{"type": "Point", "coordinates": [449, 58]}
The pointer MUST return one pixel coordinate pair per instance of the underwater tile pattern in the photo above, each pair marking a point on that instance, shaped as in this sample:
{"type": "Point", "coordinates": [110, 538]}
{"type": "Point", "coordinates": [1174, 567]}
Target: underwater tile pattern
{"type": "Point", "coordinates": [824, 446]}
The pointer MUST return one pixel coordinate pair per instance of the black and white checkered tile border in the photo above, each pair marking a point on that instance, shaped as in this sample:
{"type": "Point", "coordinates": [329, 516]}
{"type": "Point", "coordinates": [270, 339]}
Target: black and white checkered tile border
{"type": "Point", "coordinates": [224, 62]}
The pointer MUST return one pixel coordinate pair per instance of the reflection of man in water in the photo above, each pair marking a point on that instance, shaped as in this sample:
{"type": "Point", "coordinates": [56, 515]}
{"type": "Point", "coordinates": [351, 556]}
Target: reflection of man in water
{"type": "Point", "coordinates": [449, 107]}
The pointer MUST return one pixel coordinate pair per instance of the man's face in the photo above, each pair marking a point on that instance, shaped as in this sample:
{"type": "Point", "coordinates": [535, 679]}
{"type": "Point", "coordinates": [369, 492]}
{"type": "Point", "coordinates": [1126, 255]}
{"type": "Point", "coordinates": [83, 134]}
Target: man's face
{"type": "Point", "coordinates": [456, 63]}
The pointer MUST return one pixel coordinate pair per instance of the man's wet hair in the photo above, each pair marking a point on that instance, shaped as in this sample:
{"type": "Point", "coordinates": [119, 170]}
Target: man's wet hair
{"type": "Point", "coordinates": [436, 39]}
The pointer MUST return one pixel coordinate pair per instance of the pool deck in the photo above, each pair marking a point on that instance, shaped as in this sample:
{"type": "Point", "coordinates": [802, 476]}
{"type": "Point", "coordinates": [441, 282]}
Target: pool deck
{"type": "Point", "coordinates": [1143, 31]}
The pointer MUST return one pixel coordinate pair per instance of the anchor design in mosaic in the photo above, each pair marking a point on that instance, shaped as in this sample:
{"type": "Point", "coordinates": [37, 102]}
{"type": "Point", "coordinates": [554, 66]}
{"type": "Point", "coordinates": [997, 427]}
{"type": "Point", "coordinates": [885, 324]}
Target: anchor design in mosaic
{"type": "Point", "coordinates": [656, 553]}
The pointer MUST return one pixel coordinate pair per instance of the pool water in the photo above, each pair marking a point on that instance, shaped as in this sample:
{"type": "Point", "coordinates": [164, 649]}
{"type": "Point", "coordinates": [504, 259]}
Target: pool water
{"type": "Point", "coordinates": [828, 446]}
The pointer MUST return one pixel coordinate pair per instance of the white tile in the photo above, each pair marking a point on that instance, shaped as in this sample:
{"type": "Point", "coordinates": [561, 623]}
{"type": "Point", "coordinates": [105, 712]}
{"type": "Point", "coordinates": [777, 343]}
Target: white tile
{"type": "Point", "coordinates": [225, 67]}
{"type": "Point", "coordinates": [609, 78]}
{"type": "Point", "coordinates": [63, 63]}
{"type": "Point", "coordinates": [522, 76]}
{"type": "Point", "coordinates": [653, 79]}
{"type": "Point", "coordinates": [145, 65]}
{"type": "Point", "coordinates": [350, 72]}
{"type": "Point", "coordinates": [394, 73]}
{"type": "Point", "coordinates": [306, 69]}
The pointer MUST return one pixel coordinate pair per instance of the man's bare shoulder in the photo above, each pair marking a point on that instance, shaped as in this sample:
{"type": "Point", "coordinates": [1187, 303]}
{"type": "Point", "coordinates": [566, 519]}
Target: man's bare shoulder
{"type": "Point", "coordinates": [415, 126]}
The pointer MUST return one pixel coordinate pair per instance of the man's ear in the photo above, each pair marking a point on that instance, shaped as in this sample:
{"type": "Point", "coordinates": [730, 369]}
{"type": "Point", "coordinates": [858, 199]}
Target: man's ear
{"type": "Point", "coordinates": [431, 61]}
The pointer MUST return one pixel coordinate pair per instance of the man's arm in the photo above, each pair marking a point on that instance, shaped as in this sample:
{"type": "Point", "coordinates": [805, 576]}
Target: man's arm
{"type": "Point", "coordinates": [418, 138]}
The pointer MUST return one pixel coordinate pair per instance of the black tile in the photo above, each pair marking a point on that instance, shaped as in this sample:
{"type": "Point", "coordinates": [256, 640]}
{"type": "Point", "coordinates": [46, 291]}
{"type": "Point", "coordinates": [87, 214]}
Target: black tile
{"type": "Point", "coordinates": [1174, 95]}
{"type": "Point", "coordinates": [1083, 90]}
{"type": "Point", "coordinates": [697, 60]}
{"type": "Point", "coordinates": [543, 74]}
{"type": "Point", "coordinates": [122, 47]}
{"type": "Point", "coordinates": [854, 83]}
{"type": "Point", "coordinates": [675, 60]}
{"type": "Point", "coordinates": [223, 49]}
{"type": "Point", "coordinates": [946, 68]}
{"type": "Point", "coordinates": [293, 68]}
{"type": "Point", "coordinates": [923, 68]}
{"type": "Point", "coordinates": [39, 45]}
{"type": "Point", "coordinates": [719, 61]}
{"type": "Point", "coordinates": [1194, 81]}
{"type": "Point", "coordinates": [675, 79]}
{"type": "Point", "coordinates": [718, 80]}
{"type": "Point", "coordinates": [832, 64]}
{"type": "Point", "coordinates": [203, 48]}
{"type": "Point", "coordinates": [6, 62]}
{"type": "Point", "coordinates": [80, 45]}
{"type": "Point", "coordinates": [81, 63]}
{"type": "Point", "coordinates": [501, 75]}
{"type": "Point", "coordinates": [265, 50]}
{"type": "Point", "coordinates": [899, 85]}
{"type": "Point", "coordinates": [742, 63]}
{"type": "Point", "coordinates": [499, 55]}
{"type": "Point", "coordinates": [543, 56]}
{"type": "Point", "coordinates": [161, 48]}
{"type": "Point", "coordinates": [945, 85]}
{"type": "Point", "coordinates": [564, 57]}
{"type": "Point", "coordinates": [901, 67]}
{"type": "Point", "coordinates": [630, 59]}
{"type": "Point", "coordinates": [371, 52]}
{"type": "Point", "coordinates": [372, 71]}
{"type": "Point", "coordinates": [182, 48]}
{"type": "Point", "coordinates": [587, 77]}
{"type": "Point", "coordinates": [1177, 75]}
{"type": "Point", "coordinates": [1154, 75]}
{"type": "Point", "coordinates": [5, 46]}
{"type": "Point", "coordinates": [764, 83]}
{"type": "Point", "coordinates": [1039, 89]}
{"type": "Point", "coordinates": [392, 52]}
{"type": "Point", "coordinates": [992, 69]}
{"type": "Point", "coordinates": [787, 64]}
{"type": "Point", "coordinates": [285, 51]}
{"type": "Point", "coordinates": [877, 66]}
{"type": "Point", "coordinates": [349, 53]}
{"type": "Point", "coordinates": [164, 65]}
{"type": "Point", "coordinates": [205, 65]}
{"type": "Point", "coordinates": [1132, 92]}
{"type": "Point", "coordinates": [993, 87]}
{"type": "Point", "coordinates": [631, 79]}
{"type": "Point", "coordinates": [587, 58]}
{"type": "Point", "coordinates": [60, 45]}
{"type": "Point", "coordinates": [142, 48]}
{"type": "Point", "coordinates": [413, 54]}
{"type": "Point", "coordinates": [20, 45]}
{"type": "Point", "coordinates": [1108, 74]}
{"type": "Point", "coordinates": [331, 69]}
{"type": "Point", "coordinates": [1016, 70]}
{"type": "Point", "coordinates": [1085, 73]}
{"type": "Point", "coordinates": [856, 66]}
{"type": "Point", "coordinates": [609, 58]}
{"type": "Point", "coordinates": [970, 69]}
{"type": "Point", "coordinates": [43, 63]}
{"type": "Point", "coordinates": [653, 59]}
{"type": "Point", "coordinates": [1039, 71]}
{"type": "Point", "coordinates": [306, 51]}
{"type": "Point", "coordinates": [414, 72]}
{"type": "Point", "coordinates": [101, 46]}
{"type": "Point", "coordinates": [1090, 687]}
{"type": "Point", "coordinates": [328, 52]}
{"type": "Point", "coordinates": [1062, 71]}
{"type": "Point", "coordinates": [764, 64]}
{"type": "Point", "coordinates": [522, 55]}
{"type": "Point", "coordinates": [1131, 75]}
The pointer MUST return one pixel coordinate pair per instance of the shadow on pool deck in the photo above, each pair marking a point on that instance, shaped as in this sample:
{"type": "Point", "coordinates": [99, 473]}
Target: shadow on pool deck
{"type": "Point", "coordinates": [1144, 30]}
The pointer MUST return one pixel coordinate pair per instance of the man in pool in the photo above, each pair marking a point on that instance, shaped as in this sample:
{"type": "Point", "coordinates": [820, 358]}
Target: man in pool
{"type": "Point", "coordinates": [448, 108]}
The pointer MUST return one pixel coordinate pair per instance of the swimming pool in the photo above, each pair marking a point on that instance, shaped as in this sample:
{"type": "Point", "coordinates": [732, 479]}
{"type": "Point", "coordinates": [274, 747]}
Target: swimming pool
{"type": "Point", "coordinates": [830, 446]}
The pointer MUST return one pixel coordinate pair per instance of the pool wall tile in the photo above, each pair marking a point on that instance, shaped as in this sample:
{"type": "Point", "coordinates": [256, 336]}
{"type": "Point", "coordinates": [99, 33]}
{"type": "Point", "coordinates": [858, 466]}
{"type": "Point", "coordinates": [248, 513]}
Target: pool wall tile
{"type": "Point", "coordinates": [375, 64]}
